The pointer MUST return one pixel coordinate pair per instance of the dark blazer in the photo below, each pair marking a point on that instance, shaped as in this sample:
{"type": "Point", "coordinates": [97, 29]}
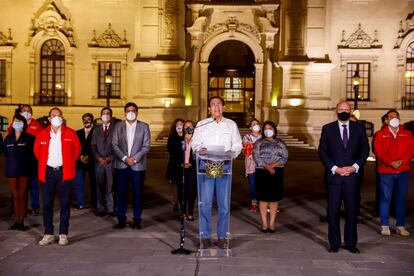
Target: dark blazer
{"type": "Point", "coordinates": [19, 155]}
{"type": "Point", "coordinates": [140, 146]}
{"type": "Point", "coordinates": [101, 146]}
{"type": "Point", "coordinates": [86, 148]}
{"type": "Point", "coordinates": [174, 147]}
{"type": "Point", "coordinates": [332, 151]}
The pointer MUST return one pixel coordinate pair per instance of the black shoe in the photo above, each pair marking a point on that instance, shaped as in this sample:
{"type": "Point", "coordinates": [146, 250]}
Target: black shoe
{"type": "Point", "coordinates": [120, 225]}
{"type": "Point", "coordinates": [22, 227]}
{"type": "Point", "coordinates": [136, 224]}
{"type": "Point", "coordinates": [111, 214]}
{"type": "Point", "coordinates": [15, 226]}
{"type": "Point", "coordinates": [222, 244]}
{"type": "Point", "coordinates": [189, 218]}
{"type": "Point", "coordinates": [205, 243]}
{"type": "Point", "coordinates": [36, 212]}
{"type": "Point", "coordinates": [101, 214]}
{"type": "Point", "coordinates": [264, 230]}
{"type": "Point", "coordinates": [352, 249]}
{"type": "Point", "coordinates": [272, 230]}
{"type": "Point", "coordinates": [333, 249]}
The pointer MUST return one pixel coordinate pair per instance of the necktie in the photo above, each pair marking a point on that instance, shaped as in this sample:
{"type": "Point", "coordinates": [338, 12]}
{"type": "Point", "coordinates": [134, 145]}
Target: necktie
{"type": "Point", "coordinates": [106, 132]}
{"type": "Point", "coordinates": [345, 136]}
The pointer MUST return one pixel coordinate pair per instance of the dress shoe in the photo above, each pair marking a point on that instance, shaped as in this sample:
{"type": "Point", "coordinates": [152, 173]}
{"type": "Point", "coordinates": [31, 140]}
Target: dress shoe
{"type": "Point", "coordinates": [264, 230]}
{"type": "Point", "coordinates": [120, 225]}
{"type": "Point", "coordinates": [272, 230]}
{"type": "Point", "coordinates": [189, 218]}
{"type": "Point", "coordinates": [111, 214]}
{"type": "Point", "coordinates": [36, 212]}
{"type": "Point", "coordinates": [402, 231]}
{"type": "Point", "coordinates": [15, 226]}
{"type": "Point", "coordinates": [205, 243]}
{"type": "Point", "coordinates": [136, 224]}
{"type": "Point", "coordinates": [101, 214]}
{"type": "Point", "coordinates": [352, 249]}
{"type": "Point", "coordinates": [222, 244]}
{"type": "Point", "coordinates": [333, 249]}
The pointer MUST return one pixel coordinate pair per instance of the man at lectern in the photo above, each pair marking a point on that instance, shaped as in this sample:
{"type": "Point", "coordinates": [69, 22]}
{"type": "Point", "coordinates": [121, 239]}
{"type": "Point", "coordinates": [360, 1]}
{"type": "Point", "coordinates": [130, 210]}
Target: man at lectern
{"type": "Point", "coordinates": [212, 134]}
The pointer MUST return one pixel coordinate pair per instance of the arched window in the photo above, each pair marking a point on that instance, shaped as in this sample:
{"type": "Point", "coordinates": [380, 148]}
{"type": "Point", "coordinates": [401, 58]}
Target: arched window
{"type": "Point", "coordinates": [232, 91]}
{"type": "Point", "coordinates": [52, 74]}
{"type": "Point", "coordinates": [408, 99]}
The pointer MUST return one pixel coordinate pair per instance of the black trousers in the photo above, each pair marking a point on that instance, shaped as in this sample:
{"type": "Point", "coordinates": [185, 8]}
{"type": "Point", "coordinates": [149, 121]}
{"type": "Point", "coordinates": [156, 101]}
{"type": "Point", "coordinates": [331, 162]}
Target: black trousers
{"type": "Point", "coordinates": [347, 191]}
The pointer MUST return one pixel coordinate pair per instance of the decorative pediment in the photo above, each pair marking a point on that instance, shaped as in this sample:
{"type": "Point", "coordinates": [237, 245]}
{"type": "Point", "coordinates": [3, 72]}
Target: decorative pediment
{"type": "Point", "coordinates": [359, 40]}
{"type": "Point", "coordinates": [406, 27]}
{"type": "Point", "coordinates": [109, 39]}
{"type": "Point", "coordinates": [7, 40]}
{"type": "Point", "coordinates": [231, 25]}
{"type": "Point", "coordinates": [52, 19]}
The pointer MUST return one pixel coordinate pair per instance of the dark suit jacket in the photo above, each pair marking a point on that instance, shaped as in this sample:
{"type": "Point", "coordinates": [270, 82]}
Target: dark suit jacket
{"type": "Point", "coordinates": [332, 151]}
{"type": "Point", "coordinates": [101, 146]}
{"type": "Point", "coordinates": [86, 148]}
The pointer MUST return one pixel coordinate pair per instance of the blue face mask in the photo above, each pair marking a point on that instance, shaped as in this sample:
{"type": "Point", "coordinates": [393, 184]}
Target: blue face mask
{"type": "Point", "coordinates": [18, 126]}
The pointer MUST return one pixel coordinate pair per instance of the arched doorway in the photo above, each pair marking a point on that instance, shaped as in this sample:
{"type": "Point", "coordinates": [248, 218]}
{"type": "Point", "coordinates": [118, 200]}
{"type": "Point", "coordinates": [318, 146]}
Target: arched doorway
{"type": "Point", "coordinates": [231, 76]}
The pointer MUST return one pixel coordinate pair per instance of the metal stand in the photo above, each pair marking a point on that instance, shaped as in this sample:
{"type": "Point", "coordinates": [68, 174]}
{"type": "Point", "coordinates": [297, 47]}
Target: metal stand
{"type": "Point", "coordinates": [181, 250]}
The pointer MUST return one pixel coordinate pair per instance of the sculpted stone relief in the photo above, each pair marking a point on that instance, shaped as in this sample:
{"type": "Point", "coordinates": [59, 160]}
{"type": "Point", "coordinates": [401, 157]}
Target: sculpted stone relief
{"type": "Point", "coordinates": [109, 39]}
{"type": "Point", "coordinates": [360, 40]}
{"type": "Point", "coordinates": [6, 40]}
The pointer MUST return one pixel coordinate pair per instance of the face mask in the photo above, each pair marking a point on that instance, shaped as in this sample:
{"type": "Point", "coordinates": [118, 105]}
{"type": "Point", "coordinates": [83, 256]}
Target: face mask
{"type": "Point", "coordinates": [256, 128]}
{"type": "Point", "coordinates": [131, 116]}
{"type": "Point", "coordinates": [27, 115]}
{"type": "Point", "coordinates": [394, 122]}
{"type": "Point", "coordinates": [87, 125]}
{"type": "Point", "coordinates": [18, 126]}
{"type": "Point", "coordinates": [268, 133]}
{"type": "Point", "coordinates": [56, 121]}
{"type": "Point", "coordinates": [105, 118]}
{"type": "Point", "coordinates": [189, 130]}
{"type": "Point", "coordinates": [179, 128]}
{"type": "Point", "coordinates": [344, 116]}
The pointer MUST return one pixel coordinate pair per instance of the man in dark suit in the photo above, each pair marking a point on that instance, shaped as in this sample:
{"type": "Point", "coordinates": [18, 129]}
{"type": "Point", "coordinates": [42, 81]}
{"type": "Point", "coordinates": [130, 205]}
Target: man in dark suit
{"type": "Point", "coordinates": [85, 164]}
{"type": "Point", "coordinates": [343, 149]}
{"type": "Point", "coordinates": [101, 145]}
{"type": "Point", "coordinates": [130, 145]}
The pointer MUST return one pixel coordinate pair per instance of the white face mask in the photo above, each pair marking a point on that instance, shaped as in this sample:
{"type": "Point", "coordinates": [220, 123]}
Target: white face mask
{"type": "Point", "coordinates": [394, 122]}
{"type": "Point", "coordinates": [268, 133]}
{"type": "Point", "coordinates": [56, 121]}
{"type": "Point", "coordinates": [27, 115]}
{"type": "Point", "coordinates": [256, 128]}
{"type": "Point", "coordinates": [179, 128]}
{"type": "Point", "coordinates": [105, 118]}
{"type": "Point", "coordinates": [131, 116]}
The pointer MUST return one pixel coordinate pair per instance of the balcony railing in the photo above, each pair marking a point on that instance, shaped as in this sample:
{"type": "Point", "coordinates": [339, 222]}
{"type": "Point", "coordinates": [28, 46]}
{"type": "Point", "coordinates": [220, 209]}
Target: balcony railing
{"type": "Point", "coordinates": [50, 98]}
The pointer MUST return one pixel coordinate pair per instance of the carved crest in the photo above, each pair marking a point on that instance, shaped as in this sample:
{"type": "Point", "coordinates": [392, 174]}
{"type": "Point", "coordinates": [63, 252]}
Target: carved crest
{"type": "Point", "coordinates": [6, 40]}
{"type": "Point", "coordinates": [404, 29]}
{"type": "Point", "coordinates": [231, 25]}
{"type": "Point", "coordinates": [359, 40]}
{"type": "Point", "coordinates": [109, 39]}
{"type": "Point", "coordinates": [50, 19]}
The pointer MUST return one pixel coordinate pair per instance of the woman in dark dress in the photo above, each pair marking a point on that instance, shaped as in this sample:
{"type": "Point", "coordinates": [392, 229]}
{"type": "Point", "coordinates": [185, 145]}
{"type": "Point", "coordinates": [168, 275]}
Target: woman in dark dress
{"type": "Point", "coordinates": [270, 155]}
{"type": "Point", "coordinates": [174, 146]}
{"type": "Point", "coordinates": [18, 150]}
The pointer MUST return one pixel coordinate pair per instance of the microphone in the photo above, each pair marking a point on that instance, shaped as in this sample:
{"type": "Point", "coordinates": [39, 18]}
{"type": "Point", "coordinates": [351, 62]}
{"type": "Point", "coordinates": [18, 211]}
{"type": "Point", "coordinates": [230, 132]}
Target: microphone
{"type": "Point", "coordinates": [214, 119]}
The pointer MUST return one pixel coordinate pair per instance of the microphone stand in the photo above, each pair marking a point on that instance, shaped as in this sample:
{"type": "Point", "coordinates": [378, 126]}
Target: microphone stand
{"type": "Point", "coordinates": [181, 250]}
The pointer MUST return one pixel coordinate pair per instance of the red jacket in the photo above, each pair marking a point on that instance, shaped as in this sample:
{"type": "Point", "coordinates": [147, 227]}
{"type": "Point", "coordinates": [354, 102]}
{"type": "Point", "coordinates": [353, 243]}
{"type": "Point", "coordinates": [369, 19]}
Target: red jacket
{"type": "Point", "coordinates": [71, 150]}
{"type": "Point", "coordinates": [389, 149]}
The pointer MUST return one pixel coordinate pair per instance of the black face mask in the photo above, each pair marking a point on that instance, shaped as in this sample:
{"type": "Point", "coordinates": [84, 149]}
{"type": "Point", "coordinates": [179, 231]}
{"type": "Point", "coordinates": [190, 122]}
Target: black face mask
{"type": "Point", "coordinates": [344, 116]}
{"type": "Point", "coordinates": [188, 130]}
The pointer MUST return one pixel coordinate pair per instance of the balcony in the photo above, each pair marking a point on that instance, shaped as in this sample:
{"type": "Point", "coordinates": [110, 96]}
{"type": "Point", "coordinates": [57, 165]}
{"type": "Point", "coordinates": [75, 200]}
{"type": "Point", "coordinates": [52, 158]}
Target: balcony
{"type": "Point", "coordinates": [407, 103]}
{"type": "Point", "coordinates": [51, 98]}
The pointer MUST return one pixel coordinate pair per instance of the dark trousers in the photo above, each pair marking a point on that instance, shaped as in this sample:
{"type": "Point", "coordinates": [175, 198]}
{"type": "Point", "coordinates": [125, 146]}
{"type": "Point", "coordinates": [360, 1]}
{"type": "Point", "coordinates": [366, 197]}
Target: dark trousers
{"type": "Point", "coordinates": [348, 192]}
{"type": "Point", "coordinates": [190, 191]}
{"type": "Point", "coordinates": [53, 182]}
{"type": "Point", "coordinates": [137, 183]}
{"type": "Point", "coordinates": [19, 186]}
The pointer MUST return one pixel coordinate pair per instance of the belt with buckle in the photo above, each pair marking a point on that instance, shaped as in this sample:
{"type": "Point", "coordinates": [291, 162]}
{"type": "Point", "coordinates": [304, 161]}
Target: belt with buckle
{"type": "Point", "coordinates": [55, 168]}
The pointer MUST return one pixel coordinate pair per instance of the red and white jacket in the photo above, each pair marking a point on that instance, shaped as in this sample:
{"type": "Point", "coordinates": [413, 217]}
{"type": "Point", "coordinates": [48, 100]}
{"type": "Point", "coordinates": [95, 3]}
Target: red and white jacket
{"type": "Point", "coordinates": [389, 149]}
{"type": "Point", "coordinates": [71, 149]}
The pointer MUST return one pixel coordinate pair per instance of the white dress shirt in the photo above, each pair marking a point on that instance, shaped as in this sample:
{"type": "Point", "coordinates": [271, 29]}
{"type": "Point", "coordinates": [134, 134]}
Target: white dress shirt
{"type": "Point", "coordinates": [210, 134]}
{"type": "Point", "coordinates": [130, 130]}
{"type": "Point", "coordinates": [54, 158]}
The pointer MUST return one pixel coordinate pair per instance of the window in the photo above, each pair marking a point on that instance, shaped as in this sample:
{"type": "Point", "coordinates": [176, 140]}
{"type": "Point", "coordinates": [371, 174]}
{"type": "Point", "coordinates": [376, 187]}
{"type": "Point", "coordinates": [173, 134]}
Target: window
{"type": "Point", "coordinates": [232, 91]}
{"type": "Point", "coordinates": [115, 68]}
{"type": "Point", "coordinates": [52, 76]}
{"type": "Point", "coordinates": [364, 81]}
{"type": "Point", "coordinates": [4, 123]}
{"type": "Point", "coordinates": [2, 78]}
{"type": "Point", "coordinates": [408, 99]}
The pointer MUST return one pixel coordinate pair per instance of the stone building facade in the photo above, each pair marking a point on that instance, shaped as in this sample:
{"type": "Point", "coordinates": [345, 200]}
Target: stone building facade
{"type": "Point", "coordinates": [289, 61]}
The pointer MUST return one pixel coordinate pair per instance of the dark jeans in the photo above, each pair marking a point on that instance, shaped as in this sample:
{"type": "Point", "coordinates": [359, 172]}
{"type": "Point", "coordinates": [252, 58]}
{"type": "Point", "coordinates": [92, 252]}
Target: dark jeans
{"type": "Point", "coordinates": [137, 183]}
{"type": "Point", "coordinates": [34, 192]}
{"type": "Point", "coordinates": [53, 182]}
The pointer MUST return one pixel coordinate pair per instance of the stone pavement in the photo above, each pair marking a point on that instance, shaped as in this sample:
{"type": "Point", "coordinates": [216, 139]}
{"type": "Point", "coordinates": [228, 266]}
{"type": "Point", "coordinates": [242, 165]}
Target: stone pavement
{"type": "Point", "coordinates": [297, 248]}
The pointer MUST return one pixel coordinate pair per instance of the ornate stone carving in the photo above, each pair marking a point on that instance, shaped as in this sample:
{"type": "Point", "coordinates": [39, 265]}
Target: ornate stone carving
{"type": "Point", "coordinates": [109, 39]}
{"type": "Point", "coordinates": [406, 27]}
{"type": "Point", "coordinates": [196, 30]}
{"type": "Point", "coordinates": [50, 20]}
{"type": "Point", "coordinates": [359, 40]}
{"type": "Point", "coordinates": [231, 25]}
{"type": "Point", "coordinates": [169, 20]}
{"type": "Point", "coordinates": [6, 40]}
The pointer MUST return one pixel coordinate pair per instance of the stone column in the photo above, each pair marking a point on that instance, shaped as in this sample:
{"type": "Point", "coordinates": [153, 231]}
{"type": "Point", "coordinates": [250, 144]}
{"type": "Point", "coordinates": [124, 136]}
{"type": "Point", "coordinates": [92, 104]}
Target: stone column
{"type": "Point", "coordinates": [203, 88]}
{"type": "Point", "coordinates": [258, 92]}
